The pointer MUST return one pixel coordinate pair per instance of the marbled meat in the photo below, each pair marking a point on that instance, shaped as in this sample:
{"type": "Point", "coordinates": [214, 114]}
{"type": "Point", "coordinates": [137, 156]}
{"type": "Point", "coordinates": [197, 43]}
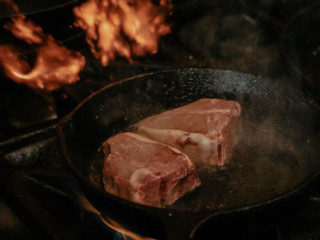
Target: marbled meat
{"type": "Point", "coordinates": [147, 172]}
{"type": "Point", "coordinates": [204, 129]}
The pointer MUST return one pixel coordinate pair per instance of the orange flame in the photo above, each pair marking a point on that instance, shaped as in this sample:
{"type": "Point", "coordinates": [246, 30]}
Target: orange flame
{"type": "Point", "coordinates": [122, 27]}
{"type": "Point", "coordinates": [25, 30]}
{"type": "Point", "coordinates": [55, 65]}
{"type": "Point", "coordinates": [119, 228]}
{"type": "Point", "coordinates": [83, 202]}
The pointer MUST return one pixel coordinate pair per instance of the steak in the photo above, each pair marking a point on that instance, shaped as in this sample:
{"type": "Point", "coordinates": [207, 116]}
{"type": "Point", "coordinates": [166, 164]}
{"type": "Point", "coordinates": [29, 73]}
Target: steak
{"type": "Point", "coordinates": [204, 129]}
{"type": "Point", "coordinates": [147, 172]}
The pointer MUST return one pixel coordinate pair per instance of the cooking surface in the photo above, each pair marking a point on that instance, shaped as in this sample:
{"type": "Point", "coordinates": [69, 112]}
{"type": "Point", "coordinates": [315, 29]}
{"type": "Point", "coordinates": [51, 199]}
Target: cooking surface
{"type": "Point", "coordinates": [27, 191]}
{"type": "Point", "coordinates": [237, 35]}
{"type": "Point", "coordinates": [268, 161]}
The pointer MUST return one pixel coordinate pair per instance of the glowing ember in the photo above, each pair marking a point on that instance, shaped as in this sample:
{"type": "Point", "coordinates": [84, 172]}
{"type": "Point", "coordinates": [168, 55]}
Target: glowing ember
{"type": "Point", "coordinates": [55, 65]}
{"type": "Point", "coordinates": [123, 27]}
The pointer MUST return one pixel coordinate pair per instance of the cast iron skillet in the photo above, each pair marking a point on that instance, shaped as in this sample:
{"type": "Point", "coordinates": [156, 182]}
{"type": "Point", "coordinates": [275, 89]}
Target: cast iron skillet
{"type": "Point", "coordinates": [273, 166]}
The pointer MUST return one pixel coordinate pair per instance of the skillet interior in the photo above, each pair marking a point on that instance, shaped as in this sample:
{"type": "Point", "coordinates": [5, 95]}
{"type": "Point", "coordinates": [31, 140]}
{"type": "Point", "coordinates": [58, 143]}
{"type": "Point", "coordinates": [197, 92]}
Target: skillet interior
{"type": "Point", "coordinates": [278, 133]}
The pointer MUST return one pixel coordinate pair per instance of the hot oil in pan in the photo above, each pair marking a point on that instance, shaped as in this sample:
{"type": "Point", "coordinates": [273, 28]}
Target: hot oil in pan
{"type": "Point", "coordinates": [260, 168]}
{"type": "Point", "coordinates": [254, 175]}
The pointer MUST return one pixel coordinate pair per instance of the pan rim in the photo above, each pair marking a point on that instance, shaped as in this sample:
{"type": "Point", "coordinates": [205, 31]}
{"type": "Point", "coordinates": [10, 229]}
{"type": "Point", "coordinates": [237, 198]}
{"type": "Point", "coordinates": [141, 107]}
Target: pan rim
{"type": "Point", "coordinates": [208, 212]}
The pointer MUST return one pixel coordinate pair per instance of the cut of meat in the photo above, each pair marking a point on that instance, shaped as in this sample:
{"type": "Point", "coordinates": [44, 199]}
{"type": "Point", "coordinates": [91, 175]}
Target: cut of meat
{"type": "Point", "coordinates": [203, 129]}
{"type": "Point", "coordinates": [147, 172]}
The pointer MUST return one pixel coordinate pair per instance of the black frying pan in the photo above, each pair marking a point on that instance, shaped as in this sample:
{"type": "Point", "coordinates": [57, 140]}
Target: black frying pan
{"type": "Point", "coordinates": [273, 166]}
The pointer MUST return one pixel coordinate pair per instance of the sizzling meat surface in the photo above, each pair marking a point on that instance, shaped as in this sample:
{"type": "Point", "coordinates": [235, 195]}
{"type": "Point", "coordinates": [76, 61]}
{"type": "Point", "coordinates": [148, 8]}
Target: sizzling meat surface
{"type": "Point", "coordinates": [202, 129]}
{"type": "Point", "coordinates": [147, 172]}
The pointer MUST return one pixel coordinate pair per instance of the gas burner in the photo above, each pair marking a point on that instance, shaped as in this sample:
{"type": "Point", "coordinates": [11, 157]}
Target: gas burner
{"type": "Point", "coordinates": [38, 192]}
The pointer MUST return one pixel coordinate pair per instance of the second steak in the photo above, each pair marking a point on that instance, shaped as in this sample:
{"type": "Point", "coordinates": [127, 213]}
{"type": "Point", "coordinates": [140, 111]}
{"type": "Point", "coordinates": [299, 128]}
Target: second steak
{"type": "Point", "coordinates": [204, 129]}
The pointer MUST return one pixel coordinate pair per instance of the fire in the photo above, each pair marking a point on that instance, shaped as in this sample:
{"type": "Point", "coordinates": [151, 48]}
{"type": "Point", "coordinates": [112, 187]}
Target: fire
{"type": "Point", "coordinates": [83, 202]}
{"type": "Point", "coordinates": [54, 66]}
{"type": "Point", "coordinates": [25, 30]}
{"type": "Point", "coordinates": [119, 228]}
{"type": "Point", "coordinates": [123, 27]}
